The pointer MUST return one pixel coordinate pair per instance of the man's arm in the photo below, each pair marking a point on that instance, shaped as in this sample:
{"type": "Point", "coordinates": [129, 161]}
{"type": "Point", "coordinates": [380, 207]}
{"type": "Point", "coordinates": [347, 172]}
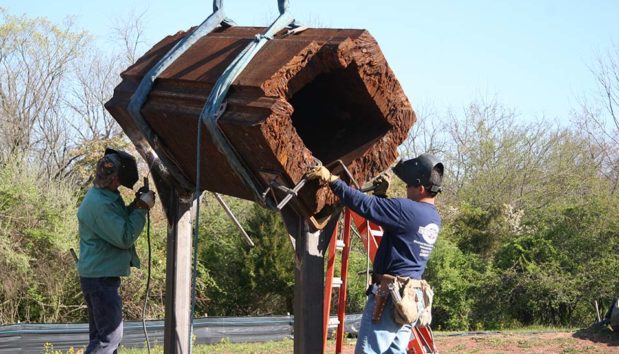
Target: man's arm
{"type": "Point", "coordinates": [383, 211]}
{"type": "Point", "coordinates": [119, 227]}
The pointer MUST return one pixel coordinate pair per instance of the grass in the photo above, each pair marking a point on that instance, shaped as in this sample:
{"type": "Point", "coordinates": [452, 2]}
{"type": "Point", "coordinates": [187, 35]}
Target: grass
{"type": "Point", "coordinates": [275, 347]}
{"type": "Point", "coordinates": [527, 329]}
{"type": "Point", "coordinates": [526, 340]}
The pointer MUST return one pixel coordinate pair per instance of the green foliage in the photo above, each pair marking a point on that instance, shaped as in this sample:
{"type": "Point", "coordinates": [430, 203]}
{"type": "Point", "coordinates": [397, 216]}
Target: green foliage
{"type": "Point", "coordinates": [48, 348]}
{"type": "Point", "coordinates": [527, 254]}
{"type": "Point", "coordinates": [85, 157]}
{"type": "Point", "coordinates": [479, 230]}
{"type": "Point", "coordinates": [548, 268]}
{"type": "Point", "coordinates": [528, 207]}
{"type": "Point", "coordinates": [450, 272]}
{"type": "Point", "coordinates": [250, 281]}
{"type": "Point", "coordinates": [357, 269]}
{"type": "Point", "coordinates": [270, 263]}
{"type": "Point", "coordinates": [546, 296]}
{"type": "Point", "coordinates": [37, 227]}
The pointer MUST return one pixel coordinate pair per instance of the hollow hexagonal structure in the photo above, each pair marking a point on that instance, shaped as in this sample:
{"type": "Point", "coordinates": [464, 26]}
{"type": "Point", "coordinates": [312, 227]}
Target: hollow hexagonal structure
{"type": "Point", "coordinates": [324, 94]}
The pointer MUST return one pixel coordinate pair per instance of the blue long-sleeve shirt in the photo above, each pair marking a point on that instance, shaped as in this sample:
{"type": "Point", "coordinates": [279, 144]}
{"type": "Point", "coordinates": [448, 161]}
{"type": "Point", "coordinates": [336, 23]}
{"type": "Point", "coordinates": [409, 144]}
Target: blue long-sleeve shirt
{"type": "Point", "coordinates": [410, 229]}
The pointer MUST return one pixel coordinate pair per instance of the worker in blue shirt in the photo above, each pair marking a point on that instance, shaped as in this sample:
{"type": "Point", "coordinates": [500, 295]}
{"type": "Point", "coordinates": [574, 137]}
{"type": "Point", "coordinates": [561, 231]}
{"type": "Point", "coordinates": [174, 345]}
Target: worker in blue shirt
{"type": "Point", "coordinates": [108, 231]}
{"type": "Point", "coordinates": [411, 227]}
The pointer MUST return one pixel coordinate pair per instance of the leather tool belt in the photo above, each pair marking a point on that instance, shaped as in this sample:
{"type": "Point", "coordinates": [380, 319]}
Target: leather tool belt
{"type": "Point", "coordinates": [381, 295]}
{"type": "Point", "coordinates": [404, 297]}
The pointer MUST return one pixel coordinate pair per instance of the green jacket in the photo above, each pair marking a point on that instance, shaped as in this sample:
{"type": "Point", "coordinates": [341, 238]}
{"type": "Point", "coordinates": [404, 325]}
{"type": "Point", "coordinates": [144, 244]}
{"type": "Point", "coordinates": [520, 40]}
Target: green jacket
{"type": "Point", "coordinates": [108, 230]}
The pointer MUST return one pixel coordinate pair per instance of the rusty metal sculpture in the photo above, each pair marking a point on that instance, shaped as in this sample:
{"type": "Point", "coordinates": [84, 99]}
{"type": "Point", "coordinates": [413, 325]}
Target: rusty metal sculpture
{"type": "Point", "coordinates": [325, 94]}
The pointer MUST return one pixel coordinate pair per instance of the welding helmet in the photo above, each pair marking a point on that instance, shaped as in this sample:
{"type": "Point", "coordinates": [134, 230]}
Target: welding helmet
{"type": "Point", "coordinates": [418, 171]}
{"type": "Point", "coordinates": [127, 169]}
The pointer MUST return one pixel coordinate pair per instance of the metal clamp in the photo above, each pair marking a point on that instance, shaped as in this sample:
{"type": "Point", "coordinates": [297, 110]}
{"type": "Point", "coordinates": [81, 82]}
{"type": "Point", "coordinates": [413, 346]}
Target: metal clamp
{"type": "Point", "coordinates": [340, 163]}
{"type": "Point", "coordinates": [291, 193]}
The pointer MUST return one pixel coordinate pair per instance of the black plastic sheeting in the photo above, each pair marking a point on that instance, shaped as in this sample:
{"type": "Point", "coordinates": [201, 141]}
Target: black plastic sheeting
{"type": "Point", "coordinates": [32, 338]}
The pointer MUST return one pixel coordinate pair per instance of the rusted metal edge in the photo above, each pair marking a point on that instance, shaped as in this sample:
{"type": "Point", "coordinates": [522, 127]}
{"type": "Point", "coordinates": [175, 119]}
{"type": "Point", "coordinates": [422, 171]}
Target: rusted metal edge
{"type": "Point", "coordinates": [139, 98]}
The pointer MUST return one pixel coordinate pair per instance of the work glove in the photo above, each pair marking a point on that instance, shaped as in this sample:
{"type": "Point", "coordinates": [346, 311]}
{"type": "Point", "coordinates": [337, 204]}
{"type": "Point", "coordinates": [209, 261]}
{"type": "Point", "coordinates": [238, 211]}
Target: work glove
{"type": "Point", "coordinates": [322, 174]}
{"type": "Point", "coordinates": [141, 191]}
{"type": "Point", "coordinates": [381, 185]}
{"type": "Point", "coordinates": [146, 200]}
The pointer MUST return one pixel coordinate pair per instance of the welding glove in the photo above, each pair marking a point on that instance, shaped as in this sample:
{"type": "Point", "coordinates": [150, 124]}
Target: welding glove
{"type": "Point", "coordinates": [141, 191]}
{"type": "Point", "coordinates": [146, 200]}
{"type": "Point", "coordinates": [381, 184]}
{"type": "Point", "coordinates": [323, 174]}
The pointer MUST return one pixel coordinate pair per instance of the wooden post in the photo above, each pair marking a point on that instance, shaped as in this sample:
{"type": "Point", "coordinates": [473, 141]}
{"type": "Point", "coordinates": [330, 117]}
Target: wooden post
{"type": "Point", "coordinates": [309, 285]}
{"type": "Point", "coordinates": [178, 273]}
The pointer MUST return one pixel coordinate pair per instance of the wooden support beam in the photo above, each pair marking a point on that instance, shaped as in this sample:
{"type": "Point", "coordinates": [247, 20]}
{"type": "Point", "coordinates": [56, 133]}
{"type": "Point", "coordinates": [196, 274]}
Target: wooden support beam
{"type": "Point", "coordinates": [309, 284]}
{"type": "Point", "coordinates": [178, 273]}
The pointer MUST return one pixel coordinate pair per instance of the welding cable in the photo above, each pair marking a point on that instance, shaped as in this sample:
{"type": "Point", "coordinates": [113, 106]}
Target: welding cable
{"type": "Point", "coordinates": [217, 15]}
{"type": "Point", "coordinates": [196, 233]}
{"type": "Point", "coordinates": [147, 291]}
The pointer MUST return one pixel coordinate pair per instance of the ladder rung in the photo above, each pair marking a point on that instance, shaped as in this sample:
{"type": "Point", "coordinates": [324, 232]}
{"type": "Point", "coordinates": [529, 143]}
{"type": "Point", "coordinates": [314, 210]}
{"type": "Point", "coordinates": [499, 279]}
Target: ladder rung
{"type": "Point", "coordinates": [333, 321]}
{"type": "Point", "coordinates": [337, 282]}
{"type": "Point", "coordinates": [376, 233]}
{"type": "Point", "coordinates": [339, 245]}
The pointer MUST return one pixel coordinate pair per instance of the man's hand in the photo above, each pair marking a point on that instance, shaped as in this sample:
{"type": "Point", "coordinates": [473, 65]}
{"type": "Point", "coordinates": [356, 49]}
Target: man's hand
{"type": "Point", "coordinates": [381, 184]}
{"type": "Point", "coordinates": [141, 191]}
{"type": "Point", "coordinates": [321, 173]}
{"type": "Point", "coordinates": [146, 200]}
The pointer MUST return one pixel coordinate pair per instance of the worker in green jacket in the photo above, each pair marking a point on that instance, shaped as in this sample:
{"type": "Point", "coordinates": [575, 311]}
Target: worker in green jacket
{"type": "Point", "coordinates": [108, 231]}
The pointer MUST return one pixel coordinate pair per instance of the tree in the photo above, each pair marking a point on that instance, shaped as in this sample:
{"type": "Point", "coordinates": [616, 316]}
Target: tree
{"type": "Point", "coordinates": [37, 227]}
{"type": "Point", "coordinates": [426, 136]}
{"type": "Point", "coordinates": [496, 160]}
{"type": "Point", "coordinates": [95, 75]}
{"type": "Point", "coordinates": [128, 30]}
{"type": "Point", "coordinates": [492, 153]}
{"type": "Point", "coordinates": [270, 264]}
{"type": "Point", "coordinates": [35, 58]}
{"type": "Point", "coordinates": [600, 117]}
{"type": "Point", "coordinates": [480, 231]}
{"type": "Point", "coordinates": [250, 281]}
{"type": "Point", "coordinates": [50, 77]}
{"type": "Point", "coordinates": [451, 275]}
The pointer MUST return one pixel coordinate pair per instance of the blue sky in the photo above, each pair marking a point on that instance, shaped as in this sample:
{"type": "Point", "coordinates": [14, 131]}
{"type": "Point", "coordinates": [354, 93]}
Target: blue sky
{"type": "Point", "coordinates": [532, 56]}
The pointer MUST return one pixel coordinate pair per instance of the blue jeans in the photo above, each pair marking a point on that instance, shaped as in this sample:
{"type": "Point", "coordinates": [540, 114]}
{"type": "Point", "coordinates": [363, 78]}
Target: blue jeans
{"type": "Point", "coordinates": [105, 314]}
{"type": "Point", "coordinates": [385, 335]}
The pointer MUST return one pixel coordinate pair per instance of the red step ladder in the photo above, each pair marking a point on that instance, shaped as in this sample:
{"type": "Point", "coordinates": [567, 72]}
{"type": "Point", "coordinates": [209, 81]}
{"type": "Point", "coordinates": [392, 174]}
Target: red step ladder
{"type": "Point", "coordinates": [370, 234]}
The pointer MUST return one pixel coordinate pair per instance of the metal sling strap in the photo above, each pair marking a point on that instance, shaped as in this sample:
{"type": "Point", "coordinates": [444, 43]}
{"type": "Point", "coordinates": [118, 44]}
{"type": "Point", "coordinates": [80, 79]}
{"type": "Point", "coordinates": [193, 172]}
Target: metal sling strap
{"type": "Point", "coordinates": [140, 95]}
{"type": "Point", "coordinates": [215, 106]}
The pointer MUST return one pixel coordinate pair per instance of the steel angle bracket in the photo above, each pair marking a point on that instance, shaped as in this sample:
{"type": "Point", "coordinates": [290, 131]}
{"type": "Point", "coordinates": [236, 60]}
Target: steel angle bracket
{"type": "Point", "coordinates": [276, 183]}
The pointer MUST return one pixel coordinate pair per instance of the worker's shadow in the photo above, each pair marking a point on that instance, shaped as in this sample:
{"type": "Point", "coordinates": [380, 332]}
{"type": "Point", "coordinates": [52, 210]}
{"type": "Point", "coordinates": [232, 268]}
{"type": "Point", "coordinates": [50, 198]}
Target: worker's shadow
{"type": "Point", "coordinates": [598, 334]}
